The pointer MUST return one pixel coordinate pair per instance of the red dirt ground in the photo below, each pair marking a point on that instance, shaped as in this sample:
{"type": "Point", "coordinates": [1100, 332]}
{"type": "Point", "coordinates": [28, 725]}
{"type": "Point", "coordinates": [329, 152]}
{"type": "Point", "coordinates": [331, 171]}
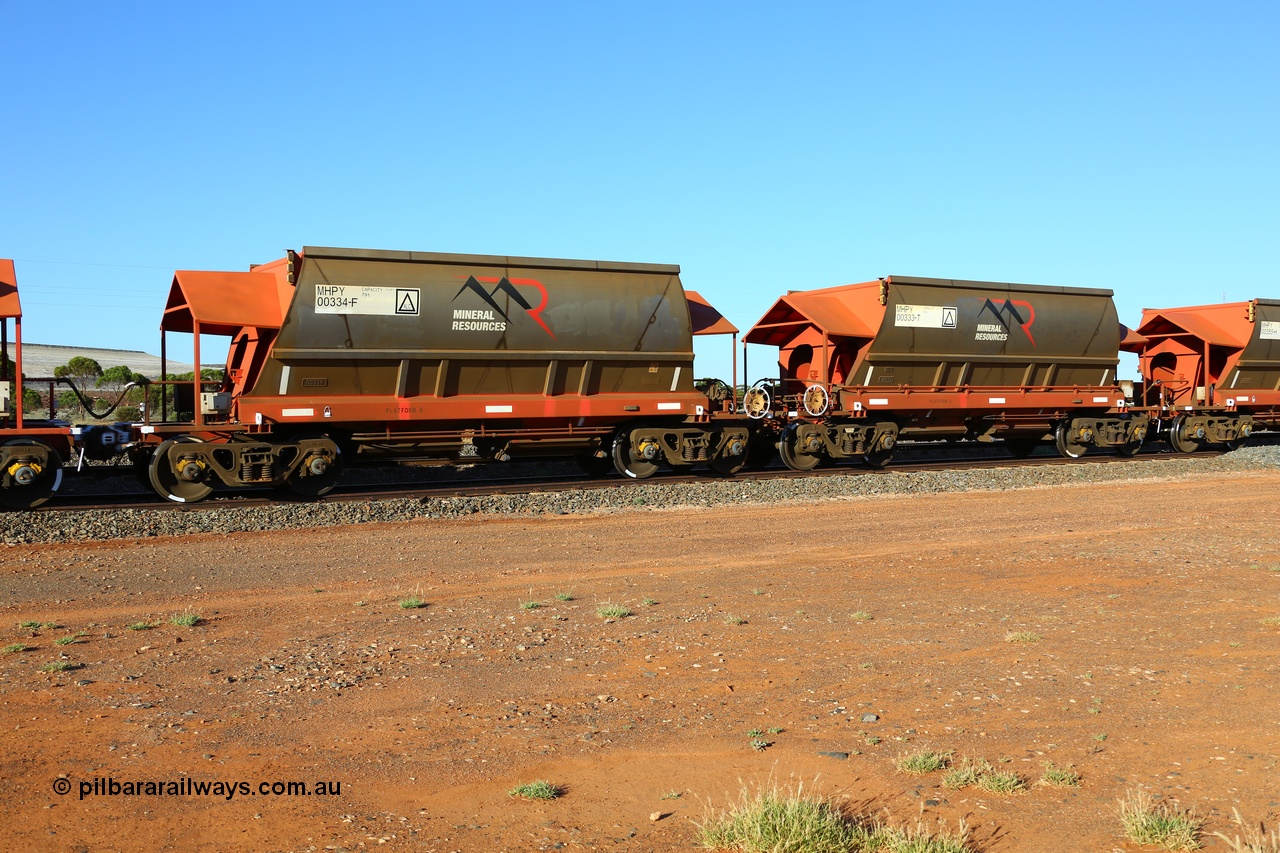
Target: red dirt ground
{"type": "Point", "coordinates": [1153, 669]}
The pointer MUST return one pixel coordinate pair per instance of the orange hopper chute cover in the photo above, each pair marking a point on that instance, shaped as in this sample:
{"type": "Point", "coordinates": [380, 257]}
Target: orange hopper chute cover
{"type": "Point", "coordinates": [9, 304]}
{"type": "Point", "coordinates": [225, 302]}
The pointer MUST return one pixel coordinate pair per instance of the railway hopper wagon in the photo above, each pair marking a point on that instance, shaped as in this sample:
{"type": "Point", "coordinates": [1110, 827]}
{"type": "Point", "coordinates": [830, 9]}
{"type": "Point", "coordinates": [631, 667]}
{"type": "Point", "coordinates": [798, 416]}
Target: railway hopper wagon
{"type": "Point", "coordinates": [338, 354]}
{"type": "Point", "coordinates": [1210, 373]}
{"type": "Point", "coordinates": [31, 450]}
{"type": "Point", "coordinates": [864, 365]}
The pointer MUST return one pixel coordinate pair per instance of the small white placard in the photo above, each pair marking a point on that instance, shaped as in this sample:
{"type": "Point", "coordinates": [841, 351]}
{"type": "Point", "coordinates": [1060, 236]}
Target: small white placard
{"type": "Point", "coordinates": [925, 316]}
{"type": "Point", "coordinates": [388, 301]}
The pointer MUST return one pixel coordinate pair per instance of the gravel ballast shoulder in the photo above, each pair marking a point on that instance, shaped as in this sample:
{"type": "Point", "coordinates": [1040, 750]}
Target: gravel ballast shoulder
{"type": "Point", "coordinates": [98, 525]}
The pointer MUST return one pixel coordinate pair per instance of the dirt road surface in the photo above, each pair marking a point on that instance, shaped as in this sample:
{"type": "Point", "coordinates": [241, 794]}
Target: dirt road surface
{"type": "Point", "coordinates": [1118, 629]}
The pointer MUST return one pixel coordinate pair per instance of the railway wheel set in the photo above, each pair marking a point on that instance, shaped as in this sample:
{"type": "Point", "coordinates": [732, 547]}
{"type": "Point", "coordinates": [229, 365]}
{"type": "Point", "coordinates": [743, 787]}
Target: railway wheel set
{"type": "Point", "coordinates": [343, 356]}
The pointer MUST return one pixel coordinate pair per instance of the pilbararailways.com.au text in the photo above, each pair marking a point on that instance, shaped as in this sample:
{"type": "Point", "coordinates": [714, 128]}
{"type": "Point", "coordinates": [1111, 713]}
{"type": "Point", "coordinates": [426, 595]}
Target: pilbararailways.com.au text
{"type": "Point", "coordinates": [188, 787]}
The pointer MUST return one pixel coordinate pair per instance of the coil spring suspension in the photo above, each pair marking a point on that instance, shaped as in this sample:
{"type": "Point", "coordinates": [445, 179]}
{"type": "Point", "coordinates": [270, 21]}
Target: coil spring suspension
{"type": "Point", "coordinates": [696, 449]}
{"type": "Point", "coordinates": [256, 468]}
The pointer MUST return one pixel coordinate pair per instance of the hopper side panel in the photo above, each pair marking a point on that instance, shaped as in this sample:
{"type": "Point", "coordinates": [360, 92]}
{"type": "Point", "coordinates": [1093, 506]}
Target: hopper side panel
{"type": "Point", "coordinates": [993, 336]}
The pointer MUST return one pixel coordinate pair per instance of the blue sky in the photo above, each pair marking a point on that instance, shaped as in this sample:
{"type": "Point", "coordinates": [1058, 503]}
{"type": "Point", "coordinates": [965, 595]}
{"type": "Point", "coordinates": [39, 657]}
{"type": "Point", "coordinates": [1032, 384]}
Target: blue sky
{"type": "Point", "coordinates": [762, 147]}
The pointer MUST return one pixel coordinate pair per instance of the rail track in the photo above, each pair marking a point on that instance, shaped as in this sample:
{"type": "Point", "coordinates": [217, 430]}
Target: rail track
{"type": "Point", "coordinates": [117, 491]}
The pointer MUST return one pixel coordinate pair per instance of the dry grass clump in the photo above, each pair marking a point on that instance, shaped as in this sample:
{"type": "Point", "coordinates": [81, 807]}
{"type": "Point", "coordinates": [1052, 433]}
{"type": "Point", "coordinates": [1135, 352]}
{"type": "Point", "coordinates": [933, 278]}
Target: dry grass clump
{"type": "Point", "coordinates": [539, 790]}
{"type": "Point", "coordinates": [1161, 824]}
{"type": "Point", "coordinates": [1002, 782]}
{"type": "Point", "coordinates": [979, 773]}
{"type": "Point", "coordinates": [776, 820]}
{"type": "Point", "coordinates": [922, 762]}
{"type": "Point", "coordinates": [1255, 839]}
{"type": "Point", "coordinates": [1061, 777]}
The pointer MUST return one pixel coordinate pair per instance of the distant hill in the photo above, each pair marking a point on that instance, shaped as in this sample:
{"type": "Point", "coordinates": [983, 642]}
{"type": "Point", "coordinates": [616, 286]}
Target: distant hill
{"type": "Point", "coordinates": [39, 360]}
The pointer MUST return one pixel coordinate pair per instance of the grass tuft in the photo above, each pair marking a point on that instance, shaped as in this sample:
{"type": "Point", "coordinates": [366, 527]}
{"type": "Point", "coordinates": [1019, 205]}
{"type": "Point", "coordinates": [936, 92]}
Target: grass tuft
{"type": "Point", "coordinates": [71, 638]}
{"type": "Point", "coordinates": [922, 762]}
{"type": "Point", "coordinates": [14, 649]}
{"type": "Point", "coordinates": [1270, 620]}
{"type": "Point", "coordinates": [920, 839]}
{"type": "Point", "coordinates": [186, 619]}
{"type": "Point", "coordinates": [774, 820]}
{"type": "Point", "coordinates": [613, 611]}
{"type": "Point", "coordinates": [1062, 777]}
{"type": "Point", "coordinates": [1002, 782]}
{"type": "Point", "coordinates": [1022, 637]}
{"type": "Point", "coordinates": [794, 821]}
{"type": "Point", "coordinates": [564, 596]}
{"type": "Point", "coordinates": [861, 616]}
{"type": "Point", "coordinates": [530, 605]}
{"type": "Point", "coordinates": [59, 666]}
{"type": "Point", "coordinates": [140, 626]}
{"type": "Point", "coordinates": [734, 620]}
{"type": "Point", "coordinates": [1161, 824]}
{"type": "Point", "coordinates": [539, 790]}
{"type": "Point", "coordinates": [978, 773]}
{"type": "Point", "coordinates": [1255, 839]}
{"type": "Point", "coordinates": [30, 624]}
{"type": "Point", "coordinates": [967, 773]}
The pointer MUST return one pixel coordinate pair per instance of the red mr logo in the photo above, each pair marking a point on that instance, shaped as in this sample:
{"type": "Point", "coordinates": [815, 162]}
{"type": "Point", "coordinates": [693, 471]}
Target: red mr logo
{"type": "Point", "coordinates": [1017, 310]}
{"type": "Point", "coordinates": [508, 287]}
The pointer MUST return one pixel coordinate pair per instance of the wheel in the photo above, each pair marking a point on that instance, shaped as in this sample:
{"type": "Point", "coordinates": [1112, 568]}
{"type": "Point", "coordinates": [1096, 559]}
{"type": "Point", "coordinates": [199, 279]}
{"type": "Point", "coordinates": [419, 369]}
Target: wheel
{"type": "Point", "coordinates": [1129, 450]}
{"type": "Point", "coordinates": [756, 401]}
{"type": "Point", "coordinates": [1176, 439]}
{"type": "Point", "coordinates": [1064, 439]}
{"type": "Point", "coordinates": [727, 464]}
{"type": "Point", "coordinates": [816, 399]}
{"type": "Point", "coordinates": [592, 465]}
{"type": "Point", "coordinates": [881, 451]}
{"type": "Point", "coordinates": [29, 477]}
{"type": "Point", "coordinates": [625, 463]}
{"type": "Point", "coordinates": [1021, 446]}
{"type": "Point", "coordinates": [191, 486]}
{"type": "Point", "coordinates": [319, 471]}
{"type": "Point", "coordinates": [878, 459]}
{"type": "Point", "coordinates": [792, 456]}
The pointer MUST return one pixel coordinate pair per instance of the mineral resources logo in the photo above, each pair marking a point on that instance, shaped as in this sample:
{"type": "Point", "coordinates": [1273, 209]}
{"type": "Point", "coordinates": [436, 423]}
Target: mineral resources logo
{"type": "Point", "coordinates": [1002, 311]}
{"type": "Point", "coordinates": [486, 320]}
